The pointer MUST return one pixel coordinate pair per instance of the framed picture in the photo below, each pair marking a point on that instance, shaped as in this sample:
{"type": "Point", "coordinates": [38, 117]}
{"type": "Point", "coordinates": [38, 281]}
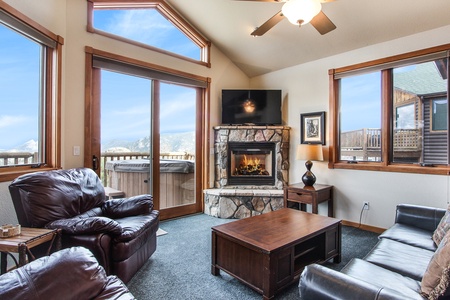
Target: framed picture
{"type": "Point", "coordinates": [312, 126]}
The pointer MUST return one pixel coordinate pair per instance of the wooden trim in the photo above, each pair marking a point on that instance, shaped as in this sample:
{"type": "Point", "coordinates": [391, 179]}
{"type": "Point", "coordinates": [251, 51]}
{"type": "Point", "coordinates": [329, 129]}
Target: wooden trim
{"type": "Point", "coordinates": [51, 125]}
{"type": "Point", "coordinates": [386, 116]}
{"type": "Point", "coordinates": [88, 114]}
{"type": "Point", "coordinates": [378, 230]}
{"type": "Point", "coordinates": [394, 58]}
{"type": "Point", "coordinates": [156, 139]}
{"type": "Point", "coordinates": [144, 64]}
{"type": "Point", "coordinates": [333, 86]}
{"type": "Point", "coordinates": [28, 21]}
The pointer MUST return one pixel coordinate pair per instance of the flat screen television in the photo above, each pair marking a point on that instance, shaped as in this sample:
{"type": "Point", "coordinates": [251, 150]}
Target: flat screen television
{"type": "Point", "coordinates": [259, 107]}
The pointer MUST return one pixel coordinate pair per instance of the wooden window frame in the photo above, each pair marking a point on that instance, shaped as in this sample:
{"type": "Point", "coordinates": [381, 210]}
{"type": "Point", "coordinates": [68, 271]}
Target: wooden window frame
{"type": "Point", "coordinates": [51, 128]}
{"type": "Point", "coordinates": [386, 163]}
{"type": "Point", "coordinates": [165, 10]}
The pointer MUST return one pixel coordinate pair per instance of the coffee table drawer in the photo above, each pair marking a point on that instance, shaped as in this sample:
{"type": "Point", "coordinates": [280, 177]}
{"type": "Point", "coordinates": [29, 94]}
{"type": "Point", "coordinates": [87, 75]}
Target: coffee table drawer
{"type": "Point", "coordinates": [300, 197]}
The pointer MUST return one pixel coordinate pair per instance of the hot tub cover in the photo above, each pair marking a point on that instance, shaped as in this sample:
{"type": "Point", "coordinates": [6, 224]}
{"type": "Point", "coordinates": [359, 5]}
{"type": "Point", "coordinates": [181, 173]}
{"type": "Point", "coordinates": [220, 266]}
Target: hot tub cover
{"type": "Point", "coordinates": [143, 165]}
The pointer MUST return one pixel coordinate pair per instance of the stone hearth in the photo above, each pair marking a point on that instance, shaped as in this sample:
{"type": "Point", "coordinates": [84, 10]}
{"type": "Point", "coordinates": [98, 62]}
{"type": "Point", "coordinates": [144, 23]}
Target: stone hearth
{"type": "Point", "coordinates": [241, 201]}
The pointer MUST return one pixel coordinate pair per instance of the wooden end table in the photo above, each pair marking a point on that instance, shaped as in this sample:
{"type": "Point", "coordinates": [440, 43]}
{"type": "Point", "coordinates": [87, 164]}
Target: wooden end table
{"type": "Point", "coordinates": [28, 238]}
{"type": "Point", "coordinates": [318, 193]}
{"type": "Point", "coordinates": [268, 252]}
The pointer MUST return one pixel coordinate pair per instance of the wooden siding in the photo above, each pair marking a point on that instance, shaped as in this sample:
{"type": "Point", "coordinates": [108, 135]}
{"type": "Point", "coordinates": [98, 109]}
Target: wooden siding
{"type": "Point", "coordinates": [435, 143]}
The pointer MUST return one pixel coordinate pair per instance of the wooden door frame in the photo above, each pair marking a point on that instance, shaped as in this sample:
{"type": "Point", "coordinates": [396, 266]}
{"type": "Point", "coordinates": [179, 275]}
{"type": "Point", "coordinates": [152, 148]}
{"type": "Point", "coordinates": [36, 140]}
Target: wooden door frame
{"type": "Point", "coordinates": [92, 131]}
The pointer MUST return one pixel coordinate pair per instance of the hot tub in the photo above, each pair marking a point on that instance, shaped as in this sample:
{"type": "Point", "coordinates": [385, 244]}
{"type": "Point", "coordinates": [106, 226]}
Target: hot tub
{"type": "Point", "coordinates": [132, 178]}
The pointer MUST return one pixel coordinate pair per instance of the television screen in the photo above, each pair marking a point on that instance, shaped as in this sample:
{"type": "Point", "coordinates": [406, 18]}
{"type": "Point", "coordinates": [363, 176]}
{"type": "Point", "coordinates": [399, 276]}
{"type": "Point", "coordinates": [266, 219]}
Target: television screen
{"type": "Point", "coordinates": [259, 107]}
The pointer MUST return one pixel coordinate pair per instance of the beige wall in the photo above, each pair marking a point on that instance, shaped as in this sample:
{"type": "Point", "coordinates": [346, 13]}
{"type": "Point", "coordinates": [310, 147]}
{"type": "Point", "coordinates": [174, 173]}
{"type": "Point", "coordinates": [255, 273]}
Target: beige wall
{"type": "Point", "coordinates": [68, 18]}
{"type": "Point", "coordinates": [306, 90]}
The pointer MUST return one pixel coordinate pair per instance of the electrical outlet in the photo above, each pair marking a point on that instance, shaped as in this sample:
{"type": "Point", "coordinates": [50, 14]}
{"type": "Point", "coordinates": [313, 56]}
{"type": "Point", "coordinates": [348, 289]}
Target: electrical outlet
{"type": "Point", "coordinates": [366, 205]}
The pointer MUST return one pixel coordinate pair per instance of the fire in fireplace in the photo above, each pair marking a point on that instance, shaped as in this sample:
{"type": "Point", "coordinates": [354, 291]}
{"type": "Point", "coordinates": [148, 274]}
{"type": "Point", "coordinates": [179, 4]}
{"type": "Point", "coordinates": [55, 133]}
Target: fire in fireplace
{"type": "Point", "coordinates": [251, 163]}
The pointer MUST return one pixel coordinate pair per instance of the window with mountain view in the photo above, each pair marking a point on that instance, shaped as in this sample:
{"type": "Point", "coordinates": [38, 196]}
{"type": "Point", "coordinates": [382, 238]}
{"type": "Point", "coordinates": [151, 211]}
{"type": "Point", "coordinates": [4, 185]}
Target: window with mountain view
{"type": "Point", "coordinates": [27, 58]}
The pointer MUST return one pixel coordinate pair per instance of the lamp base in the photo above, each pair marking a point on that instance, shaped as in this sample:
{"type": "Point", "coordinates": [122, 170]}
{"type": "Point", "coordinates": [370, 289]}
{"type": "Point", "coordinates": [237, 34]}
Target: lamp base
{"type": "Point", "coordinates": [308, 178]}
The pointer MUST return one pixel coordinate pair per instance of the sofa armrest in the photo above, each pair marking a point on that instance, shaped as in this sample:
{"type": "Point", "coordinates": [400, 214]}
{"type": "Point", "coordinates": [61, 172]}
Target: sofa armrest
{"type": "Point", "coordinates": [90, 225]}
{"type": "Point", "coordinates": [423, 217]}
{"type": "Point", "coordinates": [127, 207]}
{"type": "Point", "coordinates": [320, 283]}
{"type": "Point", "coordinates": [115, 289]}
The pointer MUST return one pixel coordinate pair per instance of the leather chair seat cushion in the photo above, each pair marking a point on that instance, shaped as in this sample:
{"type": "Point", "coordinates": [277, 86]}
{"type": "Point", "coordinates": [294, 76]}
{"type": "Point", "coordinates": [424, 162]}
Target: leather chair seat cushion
{"type": "Point", "coordinates": [83, 277]}
{"type": "Point", "coordinates": [404, 259]}
{"type": "Point", "coordinates": [410, 235]}
{"type": "Point", "coordinates": [137, 232]}
{"type": "Point", "coordinates": [381, 277]}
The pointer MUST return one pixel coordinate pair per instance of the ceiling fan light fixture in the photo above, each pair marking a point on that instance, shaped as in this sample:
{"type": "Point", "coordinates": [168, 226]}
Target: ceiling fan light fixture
{"type": "Point", "coordinates": [300, 12]}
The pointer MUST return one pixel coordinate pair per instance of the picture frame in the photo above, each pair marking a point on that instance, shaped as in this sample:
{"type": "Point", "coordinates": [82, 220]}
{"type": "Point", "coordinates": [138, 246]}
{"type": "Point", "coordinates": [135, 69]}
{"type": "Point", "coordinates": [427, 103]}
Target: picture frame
{"type": "Point", "coordinates": [312, 128]}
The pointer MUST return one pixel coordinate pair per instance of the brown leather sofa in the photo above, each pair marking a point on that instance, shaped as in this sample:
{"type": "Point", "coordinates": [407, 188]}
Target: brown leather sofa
{"type": "Point", "coordinates": [121, 233]}
{"type": "Point", "coordinates": [393, 270]}
{"type": "Point", "coordinates": [71, 273]}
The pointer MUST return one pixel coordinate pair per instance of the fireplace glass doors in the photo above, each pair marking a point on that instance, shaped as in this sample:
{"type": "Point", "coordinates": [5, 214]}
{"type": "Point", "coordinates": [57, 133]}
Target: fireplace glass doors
{"type": "Point", "coordinates": [251, 163]}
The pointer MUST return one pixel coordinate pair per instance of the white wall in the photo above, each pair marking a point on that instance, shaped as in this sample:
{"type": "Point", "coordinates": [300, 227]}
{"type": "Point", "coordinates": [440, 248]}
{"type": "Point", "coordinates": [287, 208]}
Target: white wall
{"type": "Point", "coordinates": [68, 18]}
{"type": "Point", "coordinates": [306, 90]}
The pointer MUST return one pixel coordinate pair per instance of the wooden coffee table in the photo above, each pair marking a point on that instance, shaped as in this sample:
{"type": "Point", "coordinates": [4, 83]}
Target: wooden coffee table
{"type": "Point", "coordinates": [268, 252]}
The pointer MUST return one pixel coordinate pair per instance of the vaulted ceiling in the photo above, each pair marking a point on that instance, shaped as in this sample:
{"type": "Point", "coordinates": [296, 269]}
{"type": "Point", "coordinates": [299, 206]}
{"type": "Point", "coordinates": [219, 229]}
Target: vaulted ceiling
{"type": "Point", "coordinates": [228, 24]}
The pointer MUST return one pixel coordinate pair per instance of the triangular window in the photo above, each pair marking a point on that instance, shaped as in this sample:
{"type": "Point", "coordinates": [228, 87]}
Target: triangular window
{"type": "Point", "coordinates": [151, 24]}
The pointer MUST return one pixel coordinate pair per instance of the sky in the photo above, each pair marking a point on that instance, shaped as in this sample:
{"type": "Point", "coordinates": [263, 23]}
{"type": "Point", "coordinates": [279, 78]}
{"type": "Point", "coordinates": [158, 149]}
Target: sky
{"type": "Point", "coordinates": [125, 99]}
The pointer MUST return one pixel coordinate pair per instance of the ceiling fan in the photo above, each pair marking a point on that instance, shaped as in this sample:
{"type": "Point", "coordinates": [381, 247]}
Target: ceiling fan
{"type": "Point", "coordinates": [298, 12]}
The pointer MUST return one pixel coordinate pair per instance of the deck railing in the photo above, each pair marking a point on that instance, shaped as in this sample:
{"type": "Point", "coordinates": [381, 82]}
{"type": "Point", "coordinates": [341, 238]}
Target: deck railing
{"type": "Point", "coordinates": [367, 142]}
{"type": "Point", "coordinates": [18, 158]}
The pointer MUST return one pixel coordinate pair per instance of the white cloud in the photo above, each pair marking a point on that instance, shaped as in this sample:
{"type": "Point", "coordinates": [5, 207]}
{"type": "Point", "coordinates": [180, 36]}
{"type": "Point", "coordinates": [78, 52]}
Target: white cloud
{"type": "Point", "coordinates": [141, 25]}
{"type": "Point", "coordinates": [12, 121]}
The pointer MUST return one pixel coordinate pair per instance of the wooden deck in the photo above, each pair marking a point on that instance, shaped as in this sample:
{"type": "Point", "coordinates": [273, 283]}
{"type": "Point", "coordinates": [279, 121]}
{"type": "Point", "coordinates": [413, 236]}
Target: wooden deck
{"type": "Point", "coordinates": [365, 144]}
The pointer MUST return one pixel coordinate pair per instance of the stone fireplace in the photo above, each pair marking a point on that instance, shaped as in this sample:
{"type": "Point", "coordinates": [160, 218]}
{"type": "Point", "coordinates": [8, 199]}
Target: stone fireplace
{"type": "Point", "coordinates": [251, 167]}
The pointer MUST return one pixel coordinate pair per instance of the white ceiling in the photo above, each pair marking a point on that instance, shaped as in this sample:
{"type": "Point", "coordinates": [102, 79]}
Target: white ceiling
{"type": "Point", "coordinates": [228, 24]}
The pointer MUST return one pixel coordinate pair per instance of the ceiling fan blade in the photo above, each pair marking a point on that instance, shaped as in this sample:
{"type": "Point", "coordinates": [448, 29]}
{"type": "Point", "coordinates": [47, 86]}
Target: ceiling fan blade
{"type": "Point", "coordinates": [268, 24]}
{"type": "Point", "coordinates": [322, 23]}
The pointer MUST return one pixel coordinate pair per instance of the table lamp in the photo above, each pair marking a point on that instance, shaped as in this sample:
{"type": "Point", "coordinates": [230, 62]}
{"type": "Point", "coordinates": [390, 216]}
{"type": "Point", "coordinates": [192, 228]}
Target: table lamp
{"type": "Point", "coordinates": [309, 152]}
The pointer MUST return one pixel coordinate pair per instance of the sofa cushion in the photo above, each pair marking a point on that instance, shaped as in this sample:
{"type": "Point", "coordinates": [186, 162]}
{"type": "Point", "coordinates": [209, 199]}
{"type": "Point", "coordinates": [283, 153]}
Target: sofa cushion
{"type": "Point", "coordinates": [410, 235]}
{"type": "Point", "coordinates": [442, 228]}
{"type": "Point", "coordinates": [404, 259]}
{"type": "Point", "coordinates": [381, 277]}
{"type": "Point", "coordinates": [81, 277]}
{"type": "Point", "coordinates": [436, 278]}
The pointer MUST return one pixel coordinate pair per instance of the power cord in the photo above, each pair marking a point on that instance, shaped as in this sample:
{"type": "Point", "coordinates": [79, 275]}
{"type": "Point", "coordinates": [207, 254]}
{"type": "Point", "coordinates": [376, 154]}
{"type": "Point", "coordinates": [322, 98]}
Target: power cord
{"type": "Point", "coordinates": [360, 215]}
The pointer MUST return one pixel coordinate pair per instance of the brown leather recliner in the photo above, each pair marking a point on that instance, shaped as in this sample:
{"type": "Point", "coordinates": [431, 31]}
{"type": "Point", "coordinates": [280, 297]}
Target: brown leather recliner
{"type": "Point", "coordinates": [121, 233]}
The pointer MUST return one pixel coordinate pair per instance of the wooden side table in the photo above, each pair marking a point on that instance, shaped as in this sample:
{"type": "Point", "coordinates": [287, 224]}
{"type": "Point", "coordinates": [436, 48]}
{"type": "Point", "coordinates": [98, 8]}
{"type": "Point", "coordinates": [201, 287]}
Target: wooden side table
{"type": "Point", "coordinates": [318, 193]}
{"type": "Point", "coordinates": [28, 238]}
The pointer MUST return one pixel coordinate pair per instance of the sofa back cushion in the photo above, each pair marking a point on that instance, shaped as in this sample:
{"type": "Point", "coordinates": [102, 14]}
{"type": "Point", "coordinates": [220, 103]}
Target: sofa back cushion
{"type": "Point", "coordinates": [43, 197]}
{"type": "Point", "coordinates": [72, 273]}
{"type": "Point", "coordinates": [436, 279]}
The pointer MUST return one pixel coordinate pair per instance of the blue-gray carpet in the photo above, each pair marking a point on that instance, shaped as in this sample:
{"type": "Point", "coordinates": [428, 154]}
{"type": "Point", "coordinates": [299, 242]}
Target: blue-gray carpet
{"type": "Point", "coordinates": [181, 266]}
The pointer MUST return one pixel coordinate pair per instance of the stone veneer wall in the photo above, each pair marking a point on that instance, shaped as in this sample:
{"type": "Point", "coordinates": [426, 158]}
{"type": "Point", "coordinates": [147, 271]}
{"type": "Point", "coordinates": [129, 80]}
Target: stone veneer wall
{"type": "Point", "coordinates": [276, 134]}
{"type": "Point", "coordinates": [241, 201]}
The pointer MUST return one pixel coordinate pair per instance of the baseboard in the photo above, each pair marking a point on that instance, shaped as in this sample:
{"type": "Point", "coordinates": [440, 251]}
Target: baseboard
{"type": "Point", "coordinates": [363, 227]}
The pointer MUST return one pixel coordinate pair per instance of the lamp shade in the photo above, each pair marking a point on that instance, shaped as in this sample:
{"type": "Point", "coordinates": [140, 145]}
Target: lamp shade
{"type": "Point", "coordinates": [309, 152]}
{"type": "Point", "coordinates": [300, 12]}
